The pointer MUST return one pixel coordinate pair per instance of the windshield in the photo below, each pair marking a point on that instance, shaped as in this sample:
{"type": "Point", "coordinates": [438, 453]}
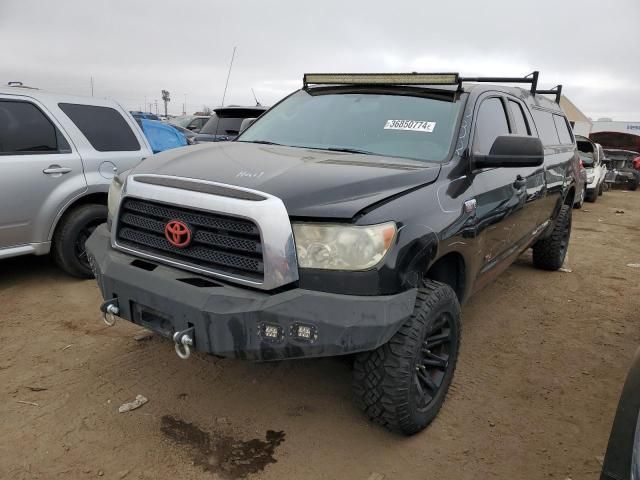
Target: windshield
{"type": "Point", "coordinates": [393, 125]}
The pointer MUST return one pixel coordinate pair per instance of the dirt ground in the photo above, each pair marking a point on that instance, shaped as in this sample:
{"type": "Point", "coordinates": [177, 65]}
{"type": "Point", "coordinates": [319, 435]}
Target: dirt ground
{"type": "Point", "coordinates": [543, 359]}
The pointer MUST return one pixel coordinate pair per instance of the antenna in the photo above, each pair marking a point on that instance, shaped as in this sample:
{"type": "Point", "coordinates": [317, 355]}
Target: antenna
{"type": "Point", "coordinates": [233, 55]}
{"type": "Point", "coordinates": [258, 104]}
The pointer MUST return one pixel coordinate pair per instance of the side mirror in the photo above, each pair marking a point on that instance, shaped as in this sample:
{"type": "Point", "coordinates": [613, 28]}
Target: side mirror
{"type": "Point", "coordinates": [512, 151]}
{"type": "Point", "coordinates": [246, 123]}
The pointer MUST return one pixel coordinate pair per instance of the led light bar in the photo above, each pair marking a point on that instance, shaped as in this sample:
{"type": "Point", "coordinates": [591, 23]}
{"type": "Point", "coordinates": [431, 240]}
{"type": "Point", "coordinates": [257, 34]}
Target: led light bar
{"type": "Point", "coordinates": [380, 79]}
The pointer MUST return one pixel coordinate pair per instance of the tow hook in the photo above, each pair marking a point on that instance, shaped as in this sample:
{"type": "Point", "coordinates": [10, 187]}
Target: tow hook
{"type": "Point", "coordinates": [183, 342]}
{"type": "Point", "coordinates": [110, 311]}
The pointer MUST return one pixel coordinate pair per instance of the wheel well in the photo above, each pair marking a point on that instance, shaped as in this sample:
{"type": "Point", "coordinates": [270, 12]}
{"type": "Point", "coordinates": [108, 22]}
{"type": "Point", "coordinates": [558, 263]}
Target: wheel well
{"type": "Point", "coordinates": [99, 198]}
{"type": "Point", "coordinates": [571, 195]}
{"type": "Point", "coordinates": [450, 269]}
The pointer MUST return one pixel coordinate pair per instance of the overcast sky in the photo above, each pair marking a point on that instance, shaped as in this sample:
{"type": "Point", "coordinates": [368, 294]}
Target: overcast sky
{"type": "Point", "coordinates": [135, 48]}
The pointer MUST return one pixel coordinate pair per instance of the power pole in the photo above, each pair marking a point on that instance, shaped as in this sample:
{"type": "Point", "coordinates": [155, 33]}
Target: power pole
{"type": "Point", "coordinates": [145, 101]}
{"type": "Point", "coordinates": [155, 102]}
{"type": "Point", "coordinates": [92, 86]}
{"type": "Point", "coordinates": [184, 105]}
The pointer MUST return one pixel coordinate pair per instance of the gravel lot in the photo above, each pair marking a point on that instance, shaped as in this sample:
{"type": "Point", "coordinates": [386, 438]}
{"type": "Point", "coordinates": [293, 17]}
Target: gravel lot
{"type": "Point", "coordinates": [543, 359]}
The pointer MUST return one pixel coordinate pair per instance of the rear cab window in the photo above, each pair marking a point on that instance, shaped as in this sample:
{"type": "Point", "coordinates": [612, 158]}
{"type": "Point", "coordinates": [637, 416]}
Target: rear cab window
{"type": "Point", "coordinates": [26, 130]}
{"type": "Point", "coordinates": [546, 127]}
{"type": "Point", "coordinates": [563, 130]}
{"type": "Point", "coordinates": [104, 127]}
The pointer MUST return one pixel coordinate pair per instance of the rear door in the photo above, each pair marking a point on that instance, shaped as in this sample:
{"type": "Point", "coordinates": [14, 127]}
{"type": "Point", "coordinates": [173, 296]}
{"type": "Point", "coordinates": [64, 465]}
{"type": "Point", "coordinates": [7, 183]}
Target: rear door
{"type": "Point", "coordinates": [561, 164]}
{"type": "Point", "coordinates": [109, 139]}
{"type": "Point", "coordinates": [40, 170]}
{"type": "Point", "coordinates": [504, 197]}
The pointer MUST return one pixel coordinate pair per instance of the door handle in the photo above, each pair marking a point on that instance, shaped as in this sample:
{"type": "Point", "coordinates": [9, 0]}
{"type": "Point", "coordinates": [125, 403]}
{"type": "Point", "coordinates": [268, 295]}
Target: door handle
{"type": "Point", "coordinates": [56, 169]}
{"type": "Point", "coordinates": [520, 182]}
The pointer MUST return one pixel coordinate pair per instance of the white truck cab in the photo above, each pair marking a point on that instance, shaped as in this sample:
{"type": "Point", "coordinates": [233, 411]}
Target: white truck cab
{"type": "Point", "coordinates": [58, 154]}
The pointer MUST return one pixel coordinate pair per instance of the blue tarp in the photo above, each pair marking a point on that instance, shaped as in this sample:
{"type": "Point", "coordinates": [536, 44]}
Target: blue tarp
{"type": "Point", "coordinates": [162, 136]}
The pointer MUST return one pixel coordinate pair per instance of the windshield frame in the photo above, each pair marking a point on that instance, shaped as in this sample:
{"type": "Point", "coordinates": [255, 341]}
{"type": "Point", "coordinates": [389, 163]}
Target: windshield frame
{"type": "Point", "coordinates": [448, 95]}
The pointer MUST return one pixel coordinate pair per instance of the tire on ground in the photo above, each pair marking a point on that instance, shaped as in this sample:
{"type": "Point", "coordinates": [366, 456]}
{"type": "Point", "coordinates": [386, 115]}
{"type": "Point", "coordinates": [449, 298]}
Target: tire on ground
{"type": "Point", "coordinates": [383, 382]}
{"type": "Point", "coordinates": [549, 252]}
{"type": "Point", "coordinates": [68, 232]}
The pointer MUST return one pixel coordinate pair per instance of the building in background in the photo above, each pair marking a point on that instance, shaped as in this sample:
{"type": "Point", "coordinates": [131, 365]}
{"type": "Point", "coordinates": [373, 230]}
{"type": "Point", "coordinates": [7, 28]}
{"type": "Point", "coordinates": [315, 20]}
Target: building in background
{"type": "Point", "coordinates": [579, 121]}
{"type": "Point", "coordinates": [622, 135]}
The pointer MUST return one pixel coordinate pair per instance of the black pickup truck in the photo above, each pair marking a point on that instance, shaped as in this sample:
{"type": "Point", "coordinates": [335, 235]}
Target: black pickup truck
{"type": "Point", "coordinates": [354, 217]}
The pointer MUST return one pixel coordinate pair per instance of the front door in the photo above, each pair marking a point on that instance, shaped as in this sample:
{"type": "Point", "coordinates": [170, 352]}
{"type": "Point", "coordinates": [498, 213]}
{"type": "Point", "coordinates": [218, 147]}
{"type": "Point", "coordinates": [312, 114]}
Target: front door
{"type": "Point", "coordinates": [505, 197]}
{"type": "Point", "coordinates": [38, 165]}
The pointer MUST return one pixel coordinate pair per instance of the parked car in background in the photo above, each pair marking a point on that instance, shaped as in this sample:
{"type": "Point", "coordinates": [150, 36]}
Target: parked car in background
{"type": "Point", "coordinates": [622, 459]}
{"type": "Point", "coordinates": [621, 168]}
{"type": "Point", "coordinates": [225, 123]}
{"type": "Point", "coordinates": [58, 155]}
{"type": "Point", "coordinates": [581, 186]}
{"type": "Point", "coordinates": [146, 115]}
{"type": "Point", "coordinates": [191, 122]}
{"type": "Point", "coordinates": [162, 136]}
{"type": "Point", "coordinates": [188, 134]}
{"type": "Point", "coordinates": [591, 155]}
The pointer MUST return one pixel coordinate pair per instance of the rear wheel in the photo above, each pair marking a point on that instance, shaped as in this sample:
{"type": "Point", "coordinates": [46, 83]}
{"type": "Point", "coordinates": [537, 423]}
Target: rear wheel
{"type": "Point", "coordinates": [71, 235]}
{"type": "Point", "coordinates": [549, 252]}
{"type": "Point", "coordinates": [601, 189]}
{"type": "Point", "coordinates": [592, 195]}
{"type": "Point", "coordinates": [402, 384]}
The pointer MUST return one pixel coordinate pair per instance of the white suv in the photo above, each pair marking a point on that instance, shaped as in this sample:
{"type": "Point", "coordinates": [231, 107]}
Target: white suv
{"type": "Point", "coordinates": [58, 154]}
{"type": "Point", "coordinates": [592, 155]}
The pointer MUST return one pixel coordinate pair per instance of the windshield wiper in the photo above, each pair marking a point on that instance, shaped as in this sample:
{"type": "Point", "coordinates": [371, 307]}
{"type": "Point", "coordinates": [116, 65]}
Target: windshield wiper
{"type": "Point", "coordinates": [262, 142]}
{"type": "Point", "coordinates": [344, 149]}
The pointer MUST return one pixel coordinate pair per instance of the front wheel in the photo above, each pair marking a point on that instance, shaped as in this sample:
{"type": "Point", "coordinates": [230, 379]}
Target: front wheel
{"type": "Point", "coordinates": [71, 234]}
{"type": "Point", "coordinates": [402, 384]}
{"type": "Point", "coordinates": [549, 252]}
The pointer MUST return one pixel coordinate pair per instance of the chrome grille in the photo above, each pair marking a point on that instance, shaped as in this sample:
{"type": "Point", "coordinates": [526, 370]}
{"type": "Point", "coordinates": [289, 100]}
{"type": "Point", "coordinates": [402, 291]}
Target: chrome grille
{"type": "Point", "coordinates": [219, 242]}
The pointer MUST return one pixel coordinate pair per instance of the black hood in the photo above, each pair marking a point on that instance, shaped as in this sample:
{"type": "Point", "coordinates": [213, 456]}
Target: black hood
{"type": "Point", "coordinates": [311, 183]}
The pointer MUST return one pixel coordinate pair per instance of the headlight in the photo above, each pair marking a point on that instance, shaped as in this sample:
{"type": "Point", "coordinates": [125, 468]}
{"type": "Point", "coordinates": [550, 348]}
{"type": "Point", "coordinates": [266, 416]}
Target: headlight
{"type": "Point", "coordinates": [113, 201]}
{"type": "Point", "coordinates": [590, 178]}
{"type": "Point", "coordinates": [342, 247]}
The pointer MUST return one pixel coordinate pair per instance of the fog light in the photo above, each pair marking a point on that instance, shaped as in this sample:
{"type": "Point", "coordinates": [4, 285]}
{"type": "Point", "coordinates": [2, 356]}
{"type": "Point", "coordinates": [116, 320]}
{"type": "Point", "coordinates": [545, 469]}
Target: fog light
{"type": "Point", "coordinates": [305, 333]}
{"type": "Point", "coordinates": [271, 332]}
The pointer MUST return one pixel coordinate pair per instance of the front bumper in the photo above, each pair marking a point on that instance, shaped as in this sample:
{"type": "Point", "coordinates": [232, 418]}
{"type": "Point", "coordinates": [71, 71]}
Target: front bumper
{"type": "Point", "coordinates": [232, 321]}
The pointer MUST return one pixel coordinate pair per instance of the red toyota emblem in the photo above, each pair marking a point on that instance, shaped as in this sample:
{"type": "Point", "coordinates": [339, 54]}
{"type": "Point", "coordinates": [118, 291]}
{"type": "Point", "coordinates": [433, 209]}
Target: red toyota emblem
{"type": "Point", "coordinates": [177, 233]}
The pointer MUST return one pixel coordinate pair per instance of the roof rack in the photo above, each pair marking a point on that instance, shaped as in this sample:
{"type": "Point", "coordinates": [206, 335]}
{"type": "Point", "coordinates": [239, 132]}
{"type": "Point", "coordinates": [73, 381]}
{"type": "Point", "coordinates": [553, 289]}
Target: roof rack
{"type": "Point", "coordinates": [422, 79]}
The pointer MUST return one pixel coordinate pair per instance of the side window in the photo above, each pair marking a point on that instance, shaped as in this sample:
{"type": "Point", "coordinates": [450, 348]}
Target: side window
{"type": "Point", "coordinates": [104, 127]}
{"type": "Point", "coordinates": [522, 128]}
{"type": "Point", "coordinates": [491, 122]}
{"type": "Point", "coordinates": [25, 129]}
{"type": "Point", "coordinates": [563, 130]}
{"type": "Point", "coordinates": [546, 127]}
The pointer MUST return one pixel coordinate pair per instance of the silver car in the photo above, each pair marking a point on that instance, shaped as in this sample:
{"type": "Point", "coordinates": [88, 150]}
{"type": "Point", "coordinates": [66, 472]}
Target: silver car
{"type": "Point", "coordinates": [58, 154]}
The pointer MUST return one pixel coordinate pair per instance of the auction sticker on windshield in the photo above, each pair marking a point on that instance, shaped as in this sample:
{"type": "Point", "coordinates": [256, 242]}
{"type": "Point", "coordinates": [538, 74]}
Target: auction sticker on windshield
{"type": "Point", "coordinates": [410, 125]}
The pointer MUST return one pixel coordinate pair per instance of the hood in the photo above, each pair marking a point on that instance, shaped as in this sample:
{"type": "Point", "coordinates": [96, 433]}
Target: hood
{"type": "Point", "coordinates": [311, 183]}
